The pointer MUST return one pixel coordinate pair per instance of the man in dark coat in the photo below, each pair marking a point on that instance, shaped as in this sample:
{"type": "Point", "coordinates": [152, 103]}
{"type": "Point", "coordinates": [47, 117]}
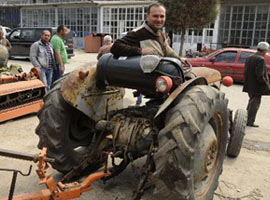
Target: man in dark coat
{"type": "Point", "coordinates": [256, 81]}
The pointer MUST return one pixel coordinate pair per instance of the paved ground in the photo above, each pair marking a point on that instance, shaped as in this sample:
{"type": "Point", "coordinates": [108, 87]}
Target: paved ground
{"type": "Point", "coordinates": [247, 177]}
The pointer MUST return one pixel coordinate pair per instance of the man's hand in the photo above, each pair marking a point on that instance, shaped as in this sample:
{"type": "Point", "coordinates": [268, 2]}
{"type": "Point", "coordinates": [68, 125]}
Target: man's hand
{"type": "Point", "coordinates": [148, 51]}
{"type": "Point", "coordinates": [182, 59]}
{"type": "Point", "coordinates": [59, 60]}
{"type": "Point", "coordinates": [62, 69]}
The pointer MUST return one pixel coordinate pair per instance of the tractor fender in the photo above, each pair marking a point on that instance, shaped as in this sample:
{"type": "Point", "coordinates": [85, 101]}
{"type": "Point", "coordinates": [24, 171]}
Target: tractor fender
{"type": "Point", "coordinates": [197, 76]}
{"type": "Point", "coordinates": [79, 90]}
{"type": "Point", "coordinates": [177, 92]}
{"type": "Point", "coordinates": [211, 75]}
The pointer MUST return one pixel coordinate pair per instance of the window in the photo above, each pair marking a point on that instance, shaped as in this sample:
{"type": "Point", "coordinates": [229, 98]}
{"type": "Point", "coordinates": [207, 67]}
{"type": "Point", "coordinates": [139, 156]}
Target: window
{"type": "Point", "coordinates": [15, 35]}
{"type": "Point", "coordinates": [38, 17]}
{"type": "Point", "coordinates": [227, 56]}
{"type": "Point", "coordinates": [245, 19]}
{"type": "Point", "coordinates": [38, 33]}
{"type": "Point", "coordinates": [119, 20]}
{"type": "Point", "coordinates": [8, 31]}
{"type": "Point", "coordinates": [27, 34]}
{"type": "Point", "coordinates": [244, 56]}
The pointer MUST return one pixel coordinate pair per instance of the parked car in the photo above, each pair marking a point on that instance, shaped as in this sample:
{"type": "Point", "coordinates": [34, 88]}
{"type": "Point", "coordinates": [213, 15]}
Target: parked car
{"type": "Point", "coordinates": [6, 30]}
{"type": "Point", "coordinates": [229, 61]}
{"type": "Point", "coordinates": [21, 40]}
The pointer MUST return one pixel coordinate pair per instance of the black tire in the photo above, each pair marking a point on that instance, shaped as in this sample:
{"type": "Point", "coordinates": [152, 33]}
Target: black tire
{"type": "Point", "coordinates": [199, 118]}
{"type": "Point", "coordinates": [61, 129]}
{"type": "Point", "coordinates": [237, 133]}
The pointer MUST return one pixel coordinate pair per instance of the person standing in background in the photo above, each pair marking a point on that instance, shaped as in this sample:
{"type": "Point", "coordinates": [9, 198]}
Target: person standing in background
{"type": "Point", "coordinates": [4, 41]}
{"type": "Point", "coordinates": [256, 81]}
{"type": "Point", "coordinates": [107, 44]}
{"type": "Point", "coordinates": [41, 56]}
{"type": "Point", "coordinates": [60, 52]}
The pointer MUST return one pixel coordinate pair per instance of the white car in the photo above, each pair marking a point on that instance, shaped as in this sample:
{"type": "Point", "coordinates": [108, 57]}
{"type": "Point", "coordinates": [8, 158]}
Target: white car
{"type": "Point", "coordinates": [6, 30]}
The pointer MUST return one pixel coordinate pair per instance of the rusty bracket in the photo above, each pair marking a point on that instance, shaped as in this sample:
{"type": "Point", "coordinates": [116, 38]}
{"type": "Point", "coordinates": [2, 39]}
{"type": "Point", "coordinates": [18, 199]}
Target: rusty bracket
{"type": "Point", "coordinates": [147, 168]}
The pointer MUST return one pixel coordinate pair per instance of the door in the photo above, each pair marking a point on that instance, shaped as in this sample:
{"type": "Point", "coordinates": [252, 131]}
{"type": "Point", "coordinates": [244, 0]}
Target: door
{"type": "Point", "coordinates": [240, 67]}
{"type": "Point", "coordinates": [28, 37]}
{"type": "Point", "coordinates": [14, 39]}
{"type": "Point", "coordinates": [224, 62]}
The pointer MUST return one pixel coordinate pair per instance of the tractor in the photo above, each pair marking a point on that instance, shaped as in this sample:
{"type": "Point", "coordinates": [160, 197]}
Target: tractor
{"type": "Point", "coordinates": [182, 130]}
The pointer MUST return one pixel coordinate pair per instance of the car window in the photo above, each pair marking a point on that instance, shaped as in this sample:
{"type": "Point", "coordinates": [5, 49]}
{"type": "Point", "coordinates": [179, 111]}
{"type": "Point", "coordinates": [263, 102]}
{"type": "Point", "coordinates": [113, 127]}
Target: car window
{"type": "Point", "coordinates": [8, 31]}
{"type": "Point", "coordinates": [227, 56]}
{"type": "Point", "coordinates": [28, 35]}
{"type": "Point", "coordinates": [211, 54]}
{"type": "Point", "coordinates": [38, 33]}
{"type": "Point", "coordinates": [244, 56]}
{"type": "Point", "coordinates": [15, 35]}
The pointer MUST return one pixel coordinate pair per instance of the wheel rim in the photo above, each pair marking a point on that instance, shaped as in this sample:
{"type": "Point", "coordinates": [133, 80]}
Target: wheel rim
{"type": "Point", "coordinates": [205, 161]}
{"type": "Point", "coordinates": [80, 130]}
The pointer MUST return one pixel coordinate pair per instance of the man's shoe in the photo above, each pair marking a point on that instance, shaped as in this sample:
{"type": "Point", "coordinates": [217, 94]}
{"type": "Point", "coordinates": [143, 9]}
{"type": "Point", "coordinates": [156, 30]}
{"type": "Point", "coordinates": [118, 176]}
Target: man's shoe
{"type": "Point", "coordinates": [253, 125]}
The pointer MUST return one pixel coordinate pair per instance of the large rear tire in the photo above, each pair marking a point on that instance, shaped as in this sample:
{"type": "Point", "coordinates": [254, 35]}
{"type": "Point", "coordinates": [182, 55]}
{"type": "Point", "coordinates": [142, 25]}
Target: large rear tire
{"type": "Point", "coordinates": [61, 129]}
{"type": "Point", "coordinates": [192, 146]}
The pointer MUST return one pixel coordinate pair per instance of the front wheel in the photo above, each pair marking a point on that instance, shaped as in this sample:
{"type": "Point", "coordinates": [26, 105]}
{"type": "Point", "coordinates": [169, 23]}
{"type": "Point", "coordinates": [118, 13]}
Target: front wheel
{"type": "Point", "coordinates": [192, 146]}
{"type": "Point", "coordinates": [237, 133]}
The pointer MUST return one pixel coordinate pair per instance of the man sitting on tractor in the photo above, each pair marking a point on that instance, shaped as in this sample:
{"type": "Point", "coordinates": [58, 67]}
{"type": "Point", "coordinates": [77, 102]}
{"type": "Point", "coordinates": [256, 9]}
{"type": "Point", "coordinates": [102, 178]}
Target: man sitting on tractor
{"type": "Point", "coordinates": [147, 39]}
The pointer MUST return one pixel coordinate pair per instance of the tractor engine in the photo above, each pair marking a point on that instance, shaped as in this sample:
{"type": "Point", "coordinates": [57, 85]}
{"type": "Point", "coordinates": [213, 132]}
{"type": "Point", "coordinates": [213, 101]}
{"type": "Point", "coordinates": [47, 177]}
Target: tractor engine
{"type": "Point", "coordinates": [132, 132]}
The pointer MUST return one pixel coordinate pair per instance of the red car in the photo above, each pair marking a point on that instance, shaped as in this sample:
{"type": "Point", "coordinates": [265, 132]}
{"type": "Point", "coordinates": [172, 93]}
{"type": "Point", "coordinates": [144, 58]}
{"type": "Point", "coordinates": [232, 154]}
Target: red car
{"type": "Point", "coordinates": [229, 61]}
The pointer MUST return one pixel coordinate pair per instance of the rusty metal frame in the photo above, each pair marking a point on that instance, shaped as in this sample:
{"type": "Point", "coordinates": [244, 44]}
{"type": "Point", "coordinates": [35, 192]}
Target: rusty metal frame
{"type": "Point", "coordinates": [20, 84]}
{"type": "Point", "coordinates": [20, 110]}
{"type": "Point", "coordinates": [58, 191]}
{"type": "Point", "coordinates": [79, 90]}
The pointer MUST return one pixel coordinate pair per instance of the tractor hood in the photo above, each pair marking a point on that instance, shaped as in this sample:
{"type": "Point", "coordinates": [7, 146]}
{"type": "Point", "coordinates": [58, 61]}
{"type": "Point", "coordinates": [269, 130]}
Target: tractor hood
{"type": "Point", "coordinates": [79, 90]}
{"type": "Point", "coordinates": [211, 75]}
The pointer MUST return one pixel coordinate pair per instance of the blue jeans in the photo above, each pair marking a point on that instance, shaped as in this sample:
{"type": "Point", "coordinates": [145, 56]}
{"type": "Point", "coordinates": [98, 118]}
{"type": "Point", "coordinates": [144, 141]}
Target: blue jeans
{"type": "Point", "coordinates": [139, 100]}
{"type": "Point", "coordinates": [46, 77]}
{"type": "Point", "coordinates": [56, 73]}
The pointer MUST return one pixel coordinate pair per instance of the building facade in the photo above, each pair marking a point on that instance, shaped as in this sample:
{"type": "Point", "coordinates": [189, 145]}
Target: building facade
{"type": "Point", "coordinates": [241, 23]}
{"type": "Point", "coordinates": [82, 17]}
{"type": "Point", "coordinates": [10, 17]}
{"type": "Point", "coordinates": [244, 23]}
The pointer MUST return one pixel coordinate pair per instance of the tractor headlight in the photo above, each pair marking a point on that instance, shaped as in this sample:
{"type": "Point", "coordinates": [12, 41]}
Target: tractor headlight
{"type": "Point", "coordinates": [163, 84]}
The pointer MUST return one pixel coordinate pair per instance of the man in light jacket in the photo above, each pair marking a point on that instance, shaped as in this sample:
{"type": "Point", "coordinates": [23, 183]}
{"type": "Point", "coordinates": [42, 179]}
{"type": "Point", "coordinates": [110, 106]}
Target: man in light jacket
{"type": "Point", "coordinates": [42, 57]}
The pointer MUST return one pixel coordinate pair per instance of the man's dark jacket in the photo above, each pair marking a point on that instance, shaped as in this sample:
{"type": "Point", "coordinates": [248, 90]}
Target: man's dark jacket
{"type": "Point", "coordinates": [142, 37]}
{"type": "Point", "coordinates": [256, 76]}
